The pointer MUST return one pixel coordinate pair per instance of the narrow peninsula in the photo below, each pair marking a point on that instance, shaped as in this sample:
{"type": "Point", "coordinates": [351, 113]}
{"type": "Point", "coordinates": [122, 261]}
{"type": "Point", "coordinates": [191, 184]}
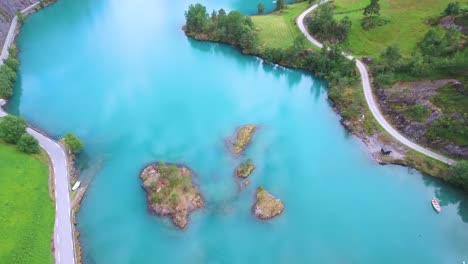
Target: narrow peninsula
{"type": "Point", "coordinates": [170, 192]}
{"type": "Point", "coordinates": [267, 206]}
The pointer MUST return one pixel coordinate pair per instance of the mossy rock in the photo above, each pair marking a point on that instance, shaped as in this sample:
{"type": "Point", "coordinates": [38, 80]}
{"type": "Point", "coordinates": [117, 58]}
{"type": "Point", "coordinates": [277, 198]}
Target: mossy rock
{"type": "Point", "coordinates": [245, 169]}
{"type": "Point", "coordinates": [267, 206]}
{"type": "Point", "coordinates": [243, 138]}
{"type": "Point", "coordinates": [170, 192]}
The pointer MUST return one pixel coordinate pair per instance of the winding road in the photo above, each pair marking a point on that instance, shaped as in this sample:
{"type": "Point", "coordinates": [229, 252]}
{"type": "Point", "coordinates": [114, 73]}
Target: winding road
{"type": "Point", "coordinates": [373, 106]}
{"type": "Point", "coordinates": [63, 234]}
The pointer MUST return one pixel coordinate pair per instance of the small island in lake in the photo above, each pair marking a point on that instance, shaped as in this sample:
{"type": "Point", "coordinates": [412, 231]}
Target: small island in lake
{"type": "Point", "coordinates": [245, 169]}
{"type": "Point", "coordinates": [243, 138]}
{"type": "Point", "coordinates": [267, 206]}
{"type": "Point", "coordinates": [170, 191]}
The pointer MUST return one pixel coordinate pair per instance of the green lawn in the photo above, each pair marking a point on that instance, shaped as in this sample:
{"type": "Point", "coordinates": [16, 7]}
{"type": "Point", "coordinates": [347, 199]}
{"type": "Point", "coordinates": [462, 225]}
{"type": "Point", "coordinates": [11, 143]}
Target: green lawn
{"type": "Point", "coordinates": [405, 28]}
{"type": "Point", "coordinates": [26, 210]}
{"type": "Point", "coordinates": [279, 29]}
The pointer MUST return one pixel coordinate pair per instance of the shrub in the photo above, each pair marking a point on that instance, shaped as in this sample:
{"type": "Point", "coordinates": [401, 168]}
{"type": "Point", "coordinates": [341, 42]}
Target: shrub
{"type": "Point", "coordinates": [452, 9]}
{"type": "Point", "coordinates": [20, 17]}
{"type": "Point", "coordinates": [73, 143]}
{"type": "Point", "coordinates": [12, 128]}
{"type": "Point", "coordinates": [28, 144]}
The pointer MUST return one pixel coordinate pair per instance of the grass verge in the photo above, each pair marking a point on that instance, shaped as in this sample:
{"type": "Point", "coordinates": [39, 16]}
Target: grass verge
{"type": "Point", "coordinates": [26, 210]}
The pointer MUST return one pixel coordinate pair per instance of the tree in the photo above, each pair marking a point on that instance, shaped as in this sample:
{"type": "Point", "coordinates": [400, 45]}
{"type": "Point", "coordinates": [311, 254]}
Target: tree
{"type": "Point", "coordinates": [458, 174]}
{"type": "Point", "coordinates": [196, 18]}
{"type": "Point", "coordinates": [28, 144]}
{"type": "Point", "coordinates": [373, 9]}
{"type": "Point", "coordinates": [12, 128]}
{"type": "Point", "coordinates": [7, 79]}
{"type": "Point", "coordinates": [391, 53]}
{"type": "Point", "coordinates": [280, 4]}
{"type": "Point", "coordinates": [73, 143]}
{"type": "Point", "coordinates": [452, 9]}
{"type": "Point", "coordinates": [12, 63]}
{"type": "Point", "coordinates": [261, 8]}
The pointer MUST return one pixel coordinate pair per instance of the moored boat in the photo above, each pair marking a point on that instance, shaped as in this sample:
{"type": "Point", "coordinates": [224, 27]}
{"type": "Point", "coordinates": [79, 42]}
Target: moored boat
{"type": "Point", "coordinates": [435, 205]}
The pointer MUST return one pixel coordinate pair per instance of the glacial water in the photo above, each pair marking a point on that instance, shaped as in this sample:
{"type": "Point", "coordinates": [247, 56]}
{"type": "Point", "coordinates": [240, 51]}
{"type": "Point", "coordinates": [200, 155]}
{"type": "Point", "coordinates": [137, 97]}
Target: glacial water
{"type": "Point", "coordinates": [124, 78]}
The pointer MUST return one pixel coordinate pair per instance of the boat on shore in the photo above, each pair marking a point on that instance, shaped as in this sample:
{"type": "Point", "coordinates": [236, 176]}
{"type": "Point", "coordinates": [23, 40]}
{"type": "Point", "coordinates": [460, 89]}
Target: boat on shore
{"type": "Point", "coordinates": [435, 205]}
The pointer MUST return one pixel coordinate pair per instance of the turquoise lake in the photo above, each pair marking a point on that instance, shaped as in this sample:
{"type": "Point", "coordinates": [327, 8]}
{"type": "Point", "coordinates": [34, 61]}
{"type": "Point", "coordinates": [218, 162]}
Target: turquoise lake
{"type": "Point", "coordinates": [124, 78]}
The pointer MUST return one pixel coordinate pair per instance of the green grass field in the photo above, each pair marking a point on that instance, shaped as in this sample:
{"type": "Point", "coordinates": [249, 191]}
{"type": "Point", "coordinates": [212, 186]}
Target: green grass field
{"type": "Point", "coordinates": [26, 210]}
{"type": "Point", "coordinates": [279, 29]}
{"type": "Point", "coordinates": [405, 28]}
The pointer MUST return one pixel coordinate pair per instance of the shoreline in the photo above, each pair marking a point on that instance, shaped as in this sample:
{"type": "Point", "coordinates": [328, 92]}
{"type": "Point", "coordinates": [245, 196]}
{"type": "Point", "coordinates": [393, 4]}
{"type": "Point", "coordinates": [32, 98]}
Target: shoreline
{"type": "Point", "coordinates": [58, 161]}
{"type": "Point", "coordinates": [403, 151]}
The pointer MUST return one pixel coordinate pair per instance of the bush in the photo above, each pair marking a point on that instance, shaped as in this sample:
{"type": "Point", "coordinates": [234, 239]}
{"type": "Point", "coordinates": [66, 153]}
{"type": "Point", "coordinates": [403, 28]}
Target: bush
{"type": "Point", "coordinates": [20, 17]}
{"type": "Point", "coordinates": [12, 128]}
{"type": "Point", "coordinates": [452, 9]}
{"type": "Point", "coordinates": [458, 174]}
{"type": "Point", "coordinates": [73, 143]}
{"type": "Point", "coordinates": [28, 144]}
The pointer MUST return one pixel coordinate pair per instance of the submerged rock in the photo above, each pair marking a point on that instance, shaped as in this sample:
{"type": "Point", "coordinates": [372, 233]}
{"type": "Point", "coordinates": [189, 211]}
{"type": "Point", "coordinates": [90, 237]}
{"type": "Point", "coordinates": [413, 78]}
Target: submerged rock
{"type": "Point", "coordinates": [245, 169]}
{"type": "Point", "coordinates": [243, 138]}
{"type": "Point", "coordinates": [170, 191]}
{"type": "Point", "coordinates": [267, 206]}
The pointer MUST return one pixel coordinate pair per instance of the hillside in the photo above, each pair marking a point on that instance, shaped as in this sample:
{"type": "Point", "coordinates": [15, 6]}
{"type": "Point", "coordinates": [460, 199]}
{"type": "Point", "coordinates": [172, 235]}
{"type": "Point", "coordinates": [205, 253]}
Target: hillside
{"type": "Point", "coordinates": [7, 12]}
{"type": "Point", "coordinates": [405, 27]}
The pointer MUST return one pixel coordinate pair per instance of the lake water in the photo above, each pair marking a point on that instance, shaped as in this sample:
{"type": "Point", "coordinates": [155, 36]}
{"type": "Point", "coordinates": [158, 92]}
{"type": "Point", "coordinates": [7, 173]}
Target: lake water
{"type": "Point", "coordinates": [125, 79]}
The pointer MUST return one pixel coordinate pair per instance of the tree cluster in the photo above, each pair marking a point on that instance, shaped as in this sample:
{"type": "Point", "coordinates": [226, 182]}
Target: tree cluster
{"type": "Point", "coordinates": [438, 43]}
{"type": "Point", "coordinates": [233, 28]}
{"type": "Point", "coordinates": [73, 143]}
{"type": "Point", "coordinates": [8, 74]}
{"type": "Point", "coordinates": [330, 64]}
{"type": "Point", "coordinates": [323, 24]}
{"type": "Point", "coordinates": [458, 174]}
{"type": "Point", "coordinates": [13, 131]}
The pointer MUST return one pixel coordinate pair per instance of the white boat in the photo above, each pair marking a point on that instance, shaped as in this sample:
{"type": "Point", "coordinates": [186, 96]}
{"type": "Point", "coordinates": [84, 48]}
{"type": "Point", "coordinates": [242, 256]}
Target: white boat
{"type": "Point", "coordinates": [76, 186]}
{"type": "Point", "coordinates": [436, 205]}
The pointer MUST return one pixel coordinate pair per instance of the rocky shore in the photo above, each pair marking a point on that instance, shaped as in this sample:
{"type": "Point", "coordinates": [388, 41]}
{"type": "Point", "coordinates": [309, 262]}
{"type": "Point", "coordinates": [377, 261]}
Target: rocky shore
{"type": "Point", "coordinates": [170, 192]}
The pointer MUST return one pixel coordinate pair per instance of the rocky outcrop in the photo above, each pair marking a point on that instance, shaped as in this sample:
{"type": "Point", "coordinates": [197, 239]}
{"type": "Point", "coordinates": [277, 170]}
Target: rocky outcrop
{"type": "Point", "coordinates": [266, 205]}
{"type": "Point", "coordinates": [170, 192]}
{"type": "Point", "coordinates": [245, 169]}
{"type": "Point", "coordinates": [411, 108]}
{"type": "Point", "coordinates": [243, 138]}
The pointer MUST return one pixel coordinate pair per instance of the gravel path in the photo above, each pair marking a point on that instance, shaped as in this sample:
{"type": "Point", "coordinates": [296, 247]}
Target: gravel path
{"type": "Point", "coordinates": [371, 102]}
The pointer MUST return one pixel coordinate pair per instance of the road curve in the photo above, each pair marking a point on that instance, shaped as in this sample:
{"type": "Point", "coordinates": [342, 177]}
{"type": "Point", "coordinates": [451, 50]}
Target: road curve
{"type": "Point", "coordinates": [373, 106]}
{"type": "Point", "coordinates": [63, 234]}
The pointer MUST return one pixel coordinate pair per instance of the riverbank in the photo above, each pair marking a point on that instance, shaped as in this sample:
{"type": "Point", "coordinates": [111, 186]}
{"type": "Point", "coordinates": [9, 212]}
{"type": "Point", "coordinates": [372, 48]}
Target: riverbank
{"type": "Point", "coordinates": [348, 99]}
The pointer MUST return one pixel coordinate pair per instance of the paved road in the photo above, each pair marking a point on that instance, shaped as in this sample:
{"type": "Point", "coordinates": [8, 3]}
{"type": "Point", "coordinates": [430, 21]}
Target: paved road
{"type": "Point", "coordinates": [373, 106]}
{"type": "Point", "coordinates": [63, 237]}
